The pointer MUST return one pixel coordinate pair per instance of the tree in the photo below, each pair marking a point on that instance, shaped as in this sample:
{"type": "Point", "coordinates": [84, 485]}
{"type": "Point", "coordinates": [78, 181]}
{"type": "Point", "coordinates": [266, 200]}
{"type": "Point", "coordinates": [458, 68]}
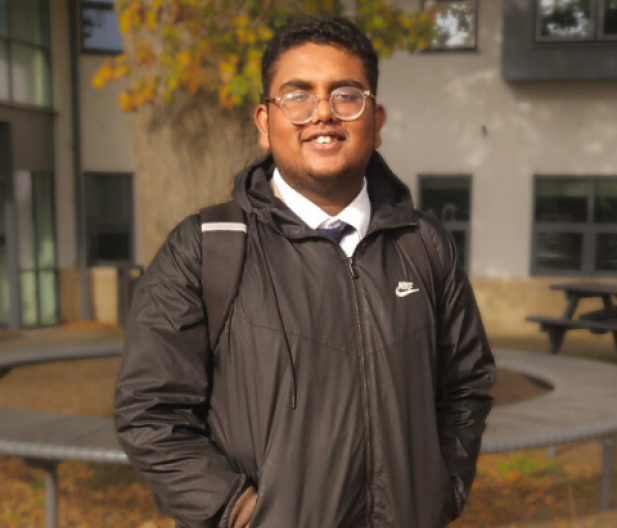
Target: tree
{"type": "Point", "coordinates": [191, 70]}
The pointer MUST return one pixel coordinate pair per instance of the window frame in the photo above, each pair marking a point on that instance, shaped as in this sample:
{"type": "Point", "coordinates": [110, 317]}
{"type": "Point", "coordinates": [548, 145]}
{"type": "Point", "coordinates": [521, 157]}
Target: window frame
{"type": "Point", "coordinates": [463, 226]}
{"type": "Point", "coordinates": [457, 49]}
{"type": "Point", "coordinates": [597, 18]}
{"type": "Point", "coordinates": [588, 229]}
{"type": "Point", "coordinates": [92, 263]}
{"type": "Point", "coordinates": [45, 48]}
{"type": "Point", "coordinates": [602, 37]}
{"type": "Point", "coordinates": [100, 6]}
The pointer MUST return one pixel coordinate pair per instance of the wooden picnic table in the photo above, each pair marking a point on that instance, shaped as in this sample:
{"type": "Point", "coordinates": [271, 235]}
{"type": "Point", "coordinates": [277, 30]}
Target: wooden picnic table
{"type": "Point", "coordinates": [597, 321]}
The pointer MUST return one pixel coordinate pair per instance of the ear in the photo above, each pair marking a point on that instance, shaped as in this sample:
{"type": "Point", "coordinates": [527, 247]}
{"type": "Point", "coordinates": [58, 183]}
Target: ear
{"type": "Point", "coordinates": [380, 119]}
{"type": "Point", "coordinates": [260, 117]}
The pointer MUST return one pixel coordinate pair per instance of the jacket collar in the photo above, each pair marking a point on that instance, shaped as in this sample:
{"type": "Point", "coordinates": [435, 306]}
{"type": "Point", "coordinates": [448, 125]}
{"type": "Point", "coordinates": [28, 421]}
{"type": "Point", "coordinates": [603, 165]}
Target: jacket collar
{"type": "Point", "coordinates": [391, 202]}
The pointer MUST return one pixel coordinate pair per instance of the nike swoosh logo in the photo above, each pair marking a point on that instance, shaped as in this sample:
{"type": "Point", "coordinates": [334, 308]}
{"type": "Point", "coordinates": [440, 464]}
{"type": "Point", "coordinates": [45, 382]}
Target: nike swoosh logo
{"type": "Point", "coordinates": [405, 293]}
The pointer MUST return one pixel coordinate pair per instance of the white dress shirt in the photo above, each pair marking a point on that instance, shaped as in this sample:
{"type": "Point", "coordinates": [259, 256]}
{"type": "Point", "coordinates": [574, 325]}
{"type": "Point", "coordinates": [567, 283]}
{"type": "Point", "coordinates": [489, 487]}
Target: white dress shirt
{"type": "Point", "coordinates": [357, 214]}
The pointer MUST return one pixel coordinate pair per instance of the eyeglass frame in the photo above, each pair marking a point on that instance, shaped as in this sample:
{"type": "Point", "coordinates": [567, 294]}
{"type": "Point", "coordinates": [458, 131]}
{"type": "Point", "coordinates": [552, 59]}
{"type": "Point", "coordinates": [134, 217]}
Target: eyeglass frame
{"type": "Point", "coordinates": [316, 100]}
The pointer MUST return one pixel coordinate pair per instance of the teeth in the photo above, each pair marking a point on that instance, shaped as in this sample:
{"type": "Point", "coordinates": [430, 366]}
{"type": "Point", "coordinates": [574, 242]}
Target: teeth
{"type": "Point", "coordinates": [324, 139]}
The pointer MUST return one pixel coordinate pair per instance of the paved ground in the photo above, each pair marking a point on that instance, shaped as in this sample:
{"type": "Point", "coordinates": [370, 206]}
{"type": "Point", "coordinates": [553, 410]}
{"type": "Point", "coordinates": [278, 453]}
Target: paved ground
{"type": "Point", "coordinates": [86, 387]}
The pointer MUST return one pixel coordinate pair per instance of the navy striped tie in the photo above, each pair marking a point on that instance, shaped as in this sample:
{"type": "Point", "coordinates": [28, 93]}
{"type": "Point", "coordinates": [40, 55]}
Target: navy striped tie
{"type": "Point", "coordinates": [337, 233]}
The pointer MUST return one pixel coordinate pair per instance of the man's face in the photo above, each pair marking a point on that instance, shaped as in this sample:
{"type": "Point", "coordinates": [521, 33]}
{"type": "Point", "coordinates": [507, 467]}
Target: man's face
{"type": "Point", "coordinates": [304, 160]}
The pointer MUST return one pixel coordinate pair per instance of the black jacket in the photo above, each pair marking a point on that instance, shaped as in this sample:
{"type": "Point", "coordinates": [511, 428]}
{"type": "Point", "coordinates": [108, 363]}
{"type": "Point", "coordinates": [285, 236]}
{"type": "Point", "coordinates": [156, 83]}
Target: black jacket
{"type": "Point", "coordinates": [391, 393]}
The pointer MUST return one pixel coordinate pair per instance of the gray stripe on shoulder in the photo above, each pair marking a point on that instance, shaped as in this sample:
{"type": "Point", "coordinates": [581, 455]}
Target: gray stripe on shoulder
{"type": "Point", "coordinates": [223, 226]}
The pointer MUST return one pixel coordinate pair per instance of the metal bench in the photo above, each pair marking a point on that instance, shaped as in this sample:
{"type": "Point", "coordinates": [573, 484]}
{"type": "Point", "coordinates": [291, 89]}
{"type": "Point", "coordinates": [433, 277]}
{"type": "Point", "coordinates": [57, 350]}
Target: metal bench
{"type": "Point", "coordinates": [46, 439]}
{"type": "Point", "coordinates": [580, 407]}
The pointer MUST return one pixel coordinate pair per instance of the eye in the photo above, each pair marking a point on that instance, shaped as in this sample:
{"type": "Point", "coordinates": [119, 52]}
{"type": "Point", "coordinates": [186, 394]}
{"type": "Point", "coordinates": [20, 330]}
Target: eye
{"type": "Point", "coordinates": [347, 94]}
{"type": "Point", "coordinates": [295, 97]}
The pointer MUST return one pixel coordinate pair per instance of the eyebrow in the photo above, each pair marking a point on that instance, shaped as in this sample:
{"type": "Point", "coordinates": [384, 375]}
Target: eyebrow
{"type": "Point", "coordinates": [300, 84]}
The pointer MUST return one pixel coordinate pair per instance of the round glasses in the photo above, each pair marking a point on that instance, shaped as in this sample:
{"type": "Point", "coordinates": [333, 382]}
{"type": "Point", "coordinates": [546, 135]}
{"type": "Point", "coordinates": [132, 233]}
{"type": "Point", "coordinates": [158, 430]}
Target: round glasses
{"type": "Point", "coordinates": [346, 103]}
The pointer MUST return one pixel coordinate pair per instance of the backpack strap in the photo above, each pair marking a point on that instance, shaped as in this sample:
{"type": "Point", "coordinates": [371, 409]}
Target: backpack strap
{"type": "Point", "coordinates": [224, 230]}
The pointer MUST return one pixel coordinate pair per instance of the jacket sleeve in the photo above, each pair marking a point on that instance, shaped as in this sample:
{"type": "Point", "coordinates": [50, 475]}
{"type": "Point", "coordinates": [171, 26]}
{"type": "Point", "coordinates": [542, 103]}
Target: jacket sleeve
{"type": "Point", "coordinates": [161, 393]}
{"type": "Point", "coordinates": [466, 373]}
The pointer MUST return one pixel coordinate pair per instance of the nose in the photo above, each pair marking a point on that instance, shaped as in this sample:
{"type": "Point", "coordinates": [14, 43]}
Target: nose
{"type": "Point", "coordinates": [323, 112]}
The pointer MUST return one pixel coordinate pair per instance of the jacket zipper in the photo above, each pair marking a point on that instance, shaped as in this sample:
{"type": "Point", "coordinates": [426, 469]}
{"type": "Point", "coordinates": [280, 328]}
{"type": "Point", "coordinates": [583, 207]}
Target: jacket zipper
{"type": "Point", "coordinates": [368, 433]}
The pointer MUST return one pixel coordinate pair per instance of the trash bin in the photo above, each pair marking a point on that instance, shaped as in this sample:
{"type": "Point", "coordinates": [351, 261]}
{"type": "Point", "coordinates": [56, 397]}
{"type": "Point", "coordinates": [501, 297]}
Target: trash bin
{"type": "Point", "coordinates": [127, 277]}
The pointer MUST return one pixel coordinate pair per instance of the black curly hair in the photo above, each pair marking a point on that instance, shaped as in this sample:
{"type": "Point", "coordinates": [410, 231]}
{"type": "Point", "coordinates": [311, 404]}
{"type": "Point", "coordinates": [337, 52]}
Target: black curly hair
{"type": "Point", "coordinates": [320, 29]}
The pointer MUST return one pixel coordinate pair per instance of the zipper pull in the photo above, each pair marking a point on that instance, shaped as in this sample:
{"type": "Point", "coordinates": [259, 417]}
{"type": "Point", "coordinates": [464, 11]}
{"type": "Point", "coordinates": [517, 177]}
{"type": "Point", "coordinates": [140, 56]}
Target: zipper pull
{"type": "Point", "coordinates": [352, 268]}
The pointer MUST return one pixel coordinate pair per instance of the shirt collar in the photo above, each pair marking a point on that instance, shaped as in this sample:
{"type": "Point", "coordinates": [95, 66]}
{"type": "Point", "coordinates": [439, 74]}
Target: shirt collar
{"type": "Point", "coordinates": [357, 214]}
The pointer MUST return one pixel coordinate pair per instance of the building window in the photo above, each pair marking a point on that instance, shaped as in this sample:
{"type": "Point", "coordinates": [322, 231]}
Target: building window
{"type": "Point", "coordinates": [4, 18]}
{"type": "Point", "coordinates": [449, 199]}
{"type": "Point", "coordinates": [576, 20]}
{"type": "Point", "coordinates": [109, 218]}
{"type": "Point", "coordinates": [100, 32]}
{"type": "Point", "coordinates": [36, 247]}
{"type": "Point", "coordinates": [575, 226]}
{"type": "Point", "coordinates": [24, 52]}
{"type": "Point", "coordinates": [456, 21]}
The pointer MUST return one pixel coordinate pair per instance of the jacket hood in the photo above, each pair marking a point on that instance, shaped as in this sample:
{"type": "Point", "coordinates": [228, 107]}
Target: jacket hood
{"type": "Point", "coordinates": [391, 201]}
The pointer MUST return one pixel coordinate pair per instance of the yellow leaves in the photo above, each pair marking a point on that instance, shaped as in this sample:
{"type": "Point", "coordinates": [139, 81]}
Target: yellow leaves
{"type": "Point", "coordinates": [215, 46]}
{"type": "Point", "coordinates": [126, 102]}
{"type": "Point", "coordinates": [149, 89]}
{"type": "Point", "coordinates": [513, 475]}
{"type": "Point", "coordinates": [184, 58]}
{"type": "Point", "coordinates": [115, 70]}
{"type": "Point", "coordinates": [140, 93]}
{"type": "Point", "coordinates": [166, 61]}
{"type": "Point", "coordinates": [243, 32]}
{"type": "Point", "coordinates": [252, 65]}
{"type": "Point", "coordinates": [227, 98]}
{"type": "Point", "coordinates": [145, 55]}
{"type": "Point", "coordinates": [241, 21]}
{"type": "Point", "coordinates": [131, 16]}
{"type": "Point", "coordinates": [125, 21]}
{"type": "Point", "coordinates": [103, 74]}
{"type": "Point", "coordinates": [120, 71]}
{"type": "Point", "coordinates": [151, 19]}
{"type": "Point", "coordinates": [228, 68]}
{"type": "Point", "coordinates": [264, 33]}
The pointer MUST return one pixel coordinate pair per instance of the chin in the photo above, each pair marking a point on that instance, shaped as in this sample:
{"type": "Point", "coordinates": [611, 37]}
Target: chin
{"type": "Point", "coordinates": [329, 172]}
{"type": "Point", "coordinates": [324, 175]}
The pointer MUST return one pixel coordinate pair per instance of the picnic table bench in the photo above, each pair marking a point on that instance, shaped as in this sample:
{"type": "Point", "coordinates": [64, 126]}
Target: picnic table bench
{"type": "Point", "coordinates": [580, 407]}
{"type": "Point", "coordinates": [597, 322]}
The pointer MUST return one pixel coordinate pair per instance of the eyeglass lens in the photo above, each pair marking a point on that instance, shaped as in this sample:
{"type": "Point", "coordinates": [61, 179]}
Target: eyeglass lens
{"type": "Point", "coordinates": [346, 103]}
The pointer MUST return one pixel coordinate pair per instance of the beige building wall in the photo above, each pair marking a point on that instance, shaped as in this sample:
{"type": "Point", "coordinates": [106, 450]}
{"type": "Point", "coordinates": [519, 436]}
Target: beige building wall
{"type": "Point", "coordinates": [107, 141]}
{"type": "Point", "coordinates": [439, 106]}
{"type": "Point", "coordinates": [451, 113]}
{"type": "Point", "coordinates": [106, 144]}
{"type": "Point", "coordinates": [448, 113]}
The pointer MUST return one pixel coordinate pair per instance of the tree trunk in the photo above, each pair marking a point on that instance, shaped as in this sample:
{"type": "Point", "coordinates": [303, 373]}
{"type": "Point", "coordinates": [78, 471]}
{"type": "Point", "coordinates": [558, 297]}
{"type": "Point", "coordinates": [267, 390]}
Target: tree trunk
{"type": "Point", "coordinates": [187, 156]}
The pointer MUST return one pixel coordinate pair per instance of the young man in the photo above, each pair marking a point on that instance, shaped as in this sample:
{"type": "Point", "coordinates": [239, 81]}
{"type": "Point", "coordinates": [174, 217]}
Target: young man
{"type": "Point", "coordinates": [346, 389]}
